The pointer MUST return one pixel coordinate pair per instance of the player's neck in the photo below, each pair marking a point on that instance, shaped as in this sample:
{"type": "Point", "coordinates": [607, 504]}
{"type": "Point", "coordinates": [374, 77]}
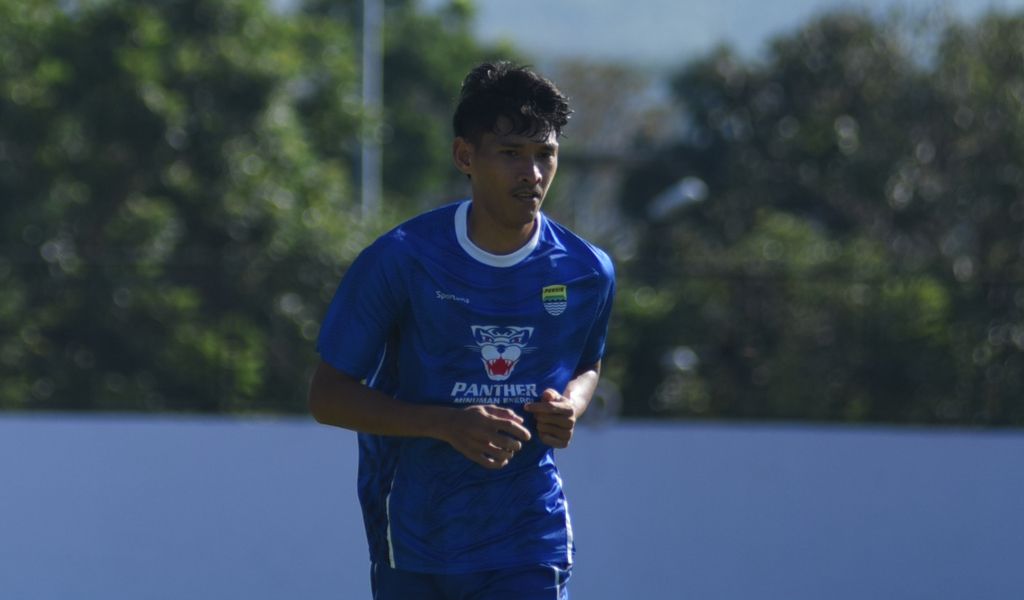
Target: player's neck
{"type": "Point", "coordinates": [495, 238]}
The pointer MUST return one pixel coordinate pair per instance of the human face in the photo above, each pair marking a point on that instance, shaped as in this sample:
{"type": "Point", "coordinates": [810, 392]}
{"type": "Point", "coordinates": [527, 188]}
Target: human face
{"type": "Point", "coordinates": [510, 175]}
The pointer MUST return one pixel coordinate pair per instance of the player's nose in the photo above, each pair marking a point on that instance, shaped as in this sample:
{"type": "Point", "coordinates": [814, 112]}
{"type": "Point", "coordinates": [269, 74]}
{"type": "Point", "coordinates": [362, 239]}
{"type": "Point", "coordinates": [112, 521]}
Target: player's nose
{"type": "Point", "coordinates": [532, 173]}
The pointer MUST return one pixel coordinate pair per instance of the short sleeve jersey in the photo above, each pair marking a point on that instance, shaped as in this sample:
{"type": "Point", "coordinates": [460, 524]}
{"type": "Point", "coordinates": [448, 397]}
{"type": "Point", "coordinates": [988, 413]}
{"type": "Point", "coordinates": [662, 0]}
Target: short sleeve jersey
{"type": "Point", "coordinates": [426, 316]}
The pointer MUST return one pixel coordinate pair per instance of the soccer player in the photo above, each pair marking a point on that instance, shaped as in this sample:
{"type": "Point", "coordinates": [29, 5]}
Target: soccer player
{"type": "Point", "coordinates": [463, 346]}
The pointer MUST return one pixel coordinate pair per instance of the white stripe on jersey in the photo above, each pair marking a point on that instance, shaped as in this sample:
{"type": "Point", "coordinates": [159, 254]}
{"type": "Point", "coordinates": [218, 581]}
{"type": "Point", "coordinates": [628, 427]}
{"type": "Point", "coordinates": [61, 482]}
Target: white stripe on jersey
{"type": "Point", "coordinates": [387, 513]}
{"type": "Point", "coordinates": [380, 365]}
{"type": "Point", "coordinates": [568, 522]}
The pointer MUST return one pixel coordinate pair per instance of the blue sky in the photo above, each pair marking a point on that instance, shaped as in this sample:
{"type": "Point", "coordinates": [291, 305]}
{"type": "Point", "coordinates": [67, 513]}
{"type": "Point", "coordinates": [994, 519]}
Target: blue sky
{"type": "Point", "coordinates": [665, 33]}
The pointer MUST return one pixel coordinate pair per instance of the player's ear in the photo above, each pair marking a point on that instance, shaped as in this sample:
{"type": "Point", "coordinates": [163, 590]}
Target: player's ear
{"type": "Point", "coordinates": [462, 155]}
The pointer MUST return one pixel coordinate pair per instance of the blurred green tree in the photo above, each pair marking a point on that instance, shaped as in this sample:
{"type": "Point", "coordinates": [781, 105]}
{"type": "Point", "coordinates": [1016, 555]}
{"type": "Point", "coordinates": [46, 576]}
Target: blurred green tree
{"type": "Point", "coordinates": [172, 221]}
{"type": "Point", "coordinates": [858, 255]}
{"type": "Point", "coordinates": [425, 57]}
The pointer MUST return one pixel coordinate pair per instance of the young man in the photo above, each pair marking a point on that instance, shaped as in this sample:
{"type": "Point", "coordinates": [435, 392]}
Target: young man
{"type": "Point", "coordinates": [463, 346]}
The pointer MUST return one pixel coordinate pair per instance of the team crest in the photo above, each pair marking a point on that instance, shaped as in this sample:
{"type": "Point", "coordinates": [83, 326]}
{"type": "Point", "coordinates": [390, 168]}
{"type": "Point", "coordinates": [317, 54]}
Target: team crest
{"type": "Point", "coordinates": [501, 348]}
{"type": "Point", "coordinates": [555, 299]}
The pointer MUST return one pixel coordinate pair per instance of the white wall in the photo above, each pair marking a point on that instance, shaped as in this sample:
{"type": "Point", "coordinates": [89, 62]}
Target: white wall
{"type": "Point", "coordinates": [102, 507]}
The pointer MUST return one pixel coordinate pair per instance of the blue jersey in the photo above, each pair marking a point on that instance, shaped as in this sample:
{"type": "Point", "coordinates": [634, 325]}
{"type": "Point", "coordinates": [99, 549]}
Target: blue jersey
{"type": "Point", "coordinates": [428, 317]}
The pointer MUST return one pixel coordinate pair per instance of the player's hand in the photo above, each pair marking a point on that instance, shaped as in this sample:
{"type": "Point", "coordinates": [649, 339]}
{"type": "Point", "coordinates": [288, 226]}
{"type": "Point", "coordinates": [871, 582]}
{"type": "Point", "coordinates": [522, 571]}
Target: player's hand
{"type": "Point", "coordinates": [556, 418]}
{"type": "Point", "coordinates": [487, 435]}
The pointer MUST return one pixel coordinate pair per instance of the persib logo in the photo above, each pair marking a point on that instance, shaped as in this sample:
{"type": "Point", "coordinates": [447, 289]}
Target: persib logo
{"type": "Point", "coordinates": [501, 348]}
{"type": "Point", "coordinates": [555, 299]}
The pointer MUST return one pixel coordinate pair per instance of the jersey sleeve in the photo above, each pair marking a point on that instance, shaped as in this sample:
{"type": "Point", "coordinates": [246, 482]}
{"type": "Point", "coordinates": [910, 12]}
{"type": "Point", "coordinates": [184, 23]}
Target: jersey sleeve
{"type": "Point", "coordinates": [593, 350]}
{"type": "Point", "coordinates": [365, 309]}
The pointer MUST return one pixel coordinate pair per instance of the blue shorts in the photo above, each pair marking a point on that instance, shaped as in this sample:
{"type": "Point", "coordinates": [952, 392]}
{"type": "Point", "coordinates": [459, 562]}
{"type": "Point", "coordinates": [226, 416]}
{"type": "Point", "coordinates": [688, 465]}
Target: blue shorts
{"type": "Point", "coordinates": [533, 582]}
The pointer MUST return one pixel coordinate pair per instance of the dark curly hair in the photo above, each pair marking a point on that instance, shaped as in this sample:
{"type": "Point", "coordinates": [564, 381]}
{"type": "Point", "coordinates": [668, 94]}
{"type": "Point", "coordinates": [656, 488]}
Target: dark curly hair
{"type": "Point", "coordinates": [532, 104]}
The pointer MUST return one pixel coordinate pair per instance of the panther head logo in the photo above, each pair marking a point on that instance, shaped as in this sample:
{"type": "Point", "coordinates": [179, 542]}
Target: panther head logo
{"type": "Point", "coordinates": [501, 348]}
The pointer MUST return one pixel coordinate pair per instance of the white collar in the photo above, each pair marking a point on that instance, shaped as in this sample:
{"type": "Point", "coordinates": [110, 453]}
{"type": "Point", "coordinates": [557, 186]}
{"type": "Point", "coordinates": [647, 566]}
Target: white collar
{"type": "Point", "coordinates": [494, 260]}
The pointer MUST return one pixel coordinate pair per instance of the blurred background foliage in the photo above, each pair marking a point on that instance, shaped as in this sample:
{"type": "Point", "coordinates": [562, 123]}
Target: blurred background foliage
{"type": "Point", "coordinates": [859, 255]}
{"type": "Point", "coordinates": [830, 231]}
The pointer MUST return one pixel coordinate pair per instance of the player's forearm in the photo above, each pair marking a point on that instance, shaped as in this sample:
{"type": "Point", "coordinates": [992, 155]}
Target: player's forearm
{"type": "Point", "coordinates": [582, 386]}
{"type": "Point", "coordinates": [342, 401]}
